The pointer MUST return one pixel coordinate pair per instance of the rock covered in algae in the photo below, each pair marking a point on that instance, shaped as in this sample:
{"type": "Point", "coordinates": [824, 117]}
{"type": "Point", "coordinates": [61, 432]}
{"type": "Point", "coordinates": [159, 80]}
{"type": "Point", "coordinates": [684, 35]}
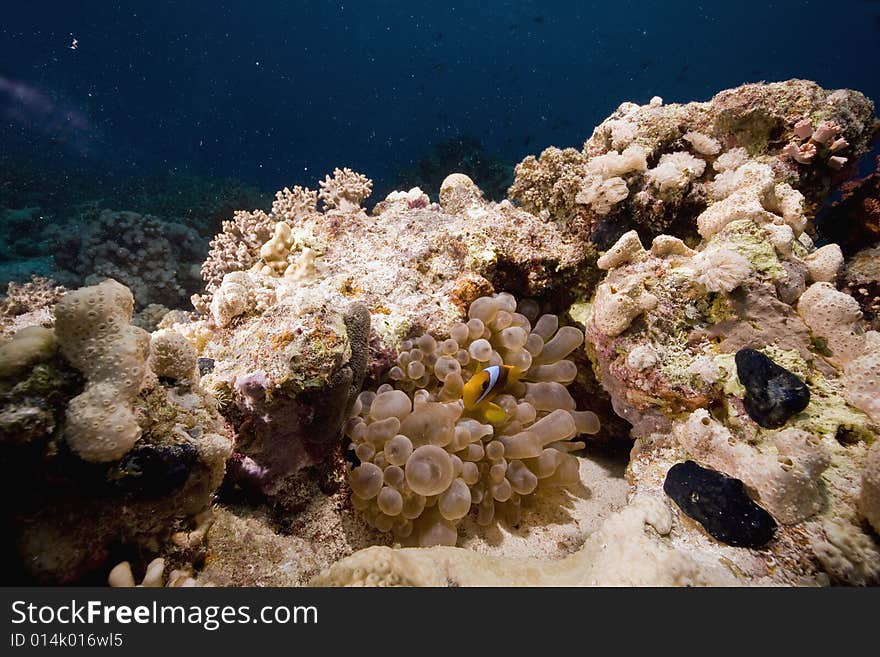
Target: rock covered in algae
{"type": "Point", "coordinates": [773, 394]}
{"type": "Point", "coordinates": [75, 492]}
{"type": "Point", "coordinates": [672, 371]}
{"type": "Point", "coordinates": [648, 167]}
{"type": "Point", "coordinates": [277, 322]}
{"type": "Point", "coordinates": [720, 504]}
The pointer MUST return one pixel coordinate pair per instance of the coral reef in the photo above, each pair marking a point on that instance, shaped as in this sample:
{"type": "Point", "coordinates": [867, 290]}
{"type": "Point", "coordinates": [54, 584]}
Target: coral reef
{"type": "Point", "coordinates": [29, 304]}
{"type": "Point", "coordinates": [157, 259]}
{"type": "Point", "coordinates": [646, 167]}
{"type": "Point", "coordinates": [345, 191]}
{"type": "Point", "coordinates": [786, 371]}
{"type": "Point", "coordinates": [427, 457]}
{"type": "Point", "coordinates": [277, 331]}
{"type": "Point", "coordinates": [735, 273]}
{"type": "Point", "coordinates": [354, 378]}
{"type": "Point", "coordinates": [91, 423]}
{"type": "Point", "coordinates": [238, 246]}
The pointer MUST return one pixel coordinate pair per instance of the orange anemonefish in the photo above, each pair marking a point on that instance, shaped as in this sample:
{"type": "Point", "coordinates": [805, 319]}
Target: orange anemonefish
{"type": "Point", "coordinates": [484, 385]}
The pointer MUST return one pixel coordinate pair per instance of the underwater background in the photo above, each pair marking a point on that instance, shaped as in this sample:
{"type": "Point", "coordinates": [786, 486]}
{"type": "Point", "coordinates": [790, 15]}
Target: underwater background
{"type": "Point", "coordinates": [189, 110]}
{"type": "Point", "coordinates": [205, 379]}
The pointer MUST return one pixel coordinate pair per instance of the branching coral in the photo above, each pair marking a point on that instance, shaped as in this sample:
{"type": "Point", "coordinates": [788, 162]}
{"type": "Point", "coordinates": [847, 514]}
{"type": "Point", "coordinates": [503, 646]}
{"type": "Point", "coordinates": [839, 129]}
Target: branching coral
{"type": "Point", "coordinates": [30, 303]}
{"type": "Point", "coordinates": [429, 453]}
{"type": "Point", "coordinates": [237, 247]}
{"type": "Point", "coordinates": [345, 191]}
{"type": "Point", "coordinates": [825, 142]}
{"type": "Point", "coordinates": [36, 294]}
{"type": "Point", "coordinates": [293, 204]}
{"type": "Point", "coordinates": [250, 238]}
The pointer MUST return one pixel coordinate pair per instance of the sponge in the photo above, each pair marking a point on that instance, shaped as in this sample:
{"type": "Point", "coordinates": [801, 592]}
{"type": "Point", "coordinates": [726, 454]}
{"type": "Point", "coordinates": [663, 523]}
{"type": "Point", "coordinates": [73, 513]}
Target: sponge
{"type": "Point", "coordinates": [94, 333]}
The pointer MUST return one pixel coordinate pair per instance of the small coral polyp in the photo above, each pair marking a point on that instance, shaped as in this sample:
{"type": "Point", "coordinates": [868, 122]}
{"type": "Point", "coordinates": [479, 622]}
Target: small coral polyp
{"type": "Point", "coordinates": [429, 454]}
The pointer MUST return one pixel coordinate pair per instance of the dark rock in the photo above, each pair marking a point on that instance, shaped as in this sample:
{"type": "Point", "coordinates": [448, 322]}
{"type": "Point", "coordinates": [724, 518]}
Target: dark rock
{"type": "Point", "coordinates": [720, 504]}
{"type": "Point", "coordinates": [206, 366]}
{"type": "Point", "coordinates": [155, 470]}
{"type": "Point", "coordinates": [773, 394]}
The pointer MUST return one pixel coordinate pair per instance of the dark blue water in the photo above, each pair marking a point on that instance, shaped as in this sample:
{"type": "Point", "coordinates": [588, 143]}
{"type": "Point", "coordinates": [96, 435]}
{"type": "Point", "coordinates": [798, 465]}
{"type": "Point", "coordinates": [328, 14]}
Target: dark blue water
{"type": "Point", "coordinates": [281, 92]}
{"type": "Point", "coordinates": [274, 93]}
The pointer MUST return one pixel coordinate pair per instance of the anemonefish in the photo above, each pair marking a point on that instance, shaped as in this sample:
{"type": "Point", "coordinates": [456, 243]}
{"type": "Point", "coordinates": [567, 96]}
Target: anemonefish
{"type": "Point", "coordinates": [482, 387]}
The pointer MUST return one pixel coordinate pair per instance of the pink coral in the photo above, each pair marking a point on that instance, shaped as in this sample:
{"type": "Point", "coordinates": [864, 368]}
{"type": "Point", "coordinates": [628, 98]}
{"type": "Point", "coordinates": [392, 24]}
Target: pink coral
{"type": "Point", "coordinates": [826, 133]}
{"type": "Point", "coordinates": [803, 153]}
{"type": "Point", "coordinates": [803, 129]}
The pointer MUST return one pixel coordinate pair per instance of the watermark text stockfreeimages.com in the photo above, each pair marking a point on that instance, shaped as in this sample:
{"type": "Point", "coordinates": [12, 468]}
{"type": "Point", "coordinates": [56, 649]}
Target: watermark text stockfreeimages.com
{"type": "Point", "coordinates": [210, 617]}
